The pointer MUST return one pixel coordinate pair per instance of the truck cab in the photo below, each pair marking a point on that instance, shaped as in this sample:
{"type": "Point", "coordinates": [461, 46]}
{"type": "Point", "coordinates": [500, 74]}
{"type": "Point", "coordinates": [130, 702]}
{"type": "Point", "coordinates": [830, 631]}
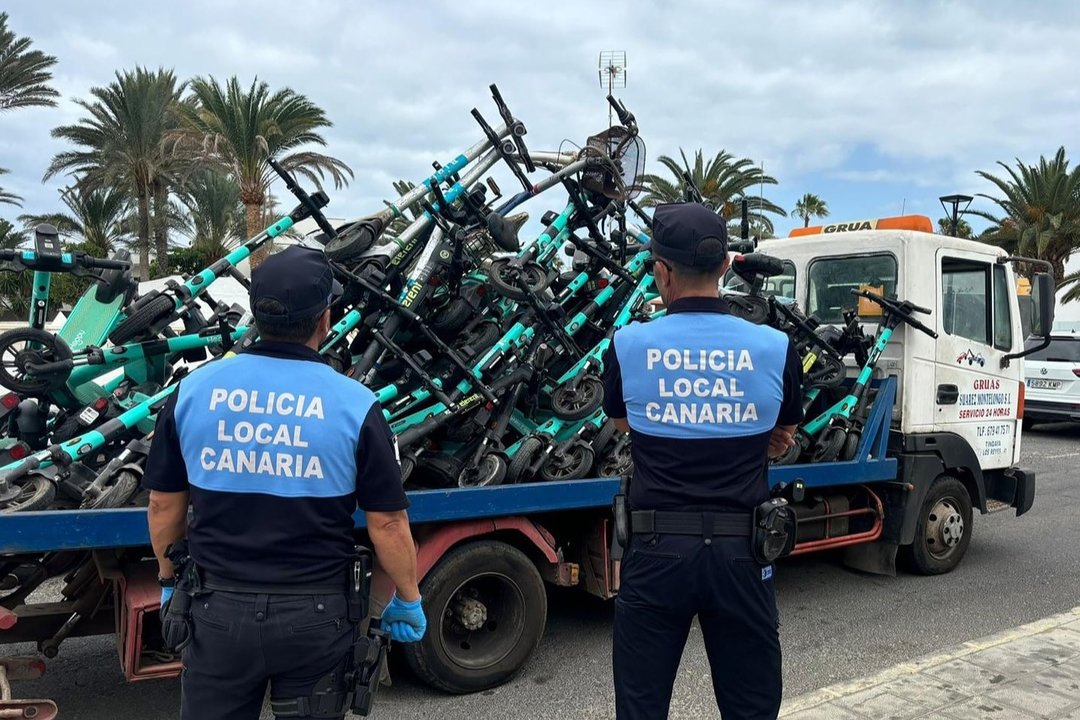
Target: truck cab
{"type": "Point", "coordinates": [957, 420]}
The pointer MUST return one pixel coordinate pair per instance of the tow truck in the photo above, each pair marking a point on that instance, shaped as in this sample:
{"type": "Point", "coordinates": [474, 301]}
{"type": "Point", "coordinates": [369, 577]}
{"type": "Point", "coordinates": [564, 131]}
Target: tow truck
{"type": "Point", "coordinates": [941, 439]}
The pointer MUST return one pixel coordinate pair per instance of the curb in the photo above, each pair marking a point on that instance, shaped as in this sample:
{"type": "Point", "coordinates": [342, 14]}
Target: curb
{"type": "Point", "coordinates": [913, 667]}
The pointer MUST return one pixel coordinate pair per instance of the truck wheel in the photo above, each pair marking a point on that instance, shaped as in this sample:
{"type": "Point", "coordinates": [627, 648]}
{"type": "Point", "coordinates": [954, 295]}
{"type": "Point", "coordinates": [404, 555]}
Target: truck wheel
{"type": "Point", "coordinates": [943, 532]}
{"type": "Point", "coordinates": [486, 610]}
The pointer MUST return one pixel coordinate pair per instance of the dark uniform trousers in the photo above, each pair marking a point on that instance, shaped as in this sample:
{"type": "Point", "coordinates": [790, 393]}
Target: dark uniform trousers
{"type": "Point", "coordinates": [666, 580]}
{"type": "Point", "coordinates": [241, 642]}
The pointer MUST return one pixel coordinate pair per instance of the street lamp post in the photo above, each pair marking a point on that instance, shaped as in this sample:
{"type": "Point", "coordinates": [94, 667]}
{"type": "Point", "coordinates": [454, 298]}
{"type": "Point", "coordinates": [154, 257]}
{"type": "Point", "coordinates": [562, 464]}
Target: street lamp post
{"type": "Point", "coordinates": [956, 212]}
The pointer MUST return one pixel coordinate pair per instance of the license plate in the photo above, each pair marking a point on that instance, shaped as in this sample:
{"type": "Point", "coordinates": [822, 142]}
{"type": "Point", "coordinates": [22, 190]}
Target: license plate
{"type": "Point", "coordinates": [1040, 384]}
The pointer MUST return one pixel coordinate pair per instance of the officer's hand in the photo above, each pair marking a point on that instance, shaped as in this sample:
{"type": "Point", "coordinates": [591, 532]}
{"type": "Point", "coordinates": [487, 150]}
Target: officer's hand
{"type": "Point", "coordinates": [780, 440]}
{"type": "Point", "coordinates": [166, 596]}
{"type": "Point", "coordinates": [404, 621]}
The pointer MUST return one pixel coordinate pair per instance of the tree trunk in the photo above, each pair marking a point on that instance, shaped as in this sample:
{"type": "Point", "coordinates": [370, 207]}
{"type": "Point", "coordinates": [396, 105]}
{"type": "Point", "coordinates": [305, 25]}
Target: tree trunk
{"type": "Point", "coordinates": [253, 217]}
{"type": "Point", "coordinates": [144, 235]}
{"type": "Point", "coordinates": [1059, 271]}
{"type": "Point", "coordinates": [161, 228]}
{"type": "Point", "coordinates": [806, 221]}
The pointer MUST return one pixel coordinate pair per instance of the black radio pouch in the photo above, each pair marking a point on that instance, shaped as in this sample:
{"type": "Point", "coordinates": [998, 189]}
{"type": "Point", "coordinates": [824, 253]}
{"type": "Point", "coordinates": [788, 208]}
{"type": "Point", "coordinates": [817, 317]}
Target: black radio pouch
{"type": "Point", "coordinates": [774, 530]}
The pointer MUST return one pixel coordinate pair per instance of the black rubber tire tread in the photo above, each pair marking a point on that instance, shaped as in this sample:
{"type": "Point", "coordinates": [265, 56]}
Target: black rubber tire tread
{"type": "Point", "coordinates": [54, 350]}
{"type": "Point", "coordinates": [142, 319]}
{"type": "Point", "coordinates": [408, 465]}
{"type": "Point", "coordinates": [829, 446]}
{"type": "Point", "coordinates": [438, 587]}
{"type": "Point", "coordinates": [495, 477]}
{"type": "Point", "coordinates": [452, 317]}
{"type": "Point", "coordinates": [580, 470]}
{"type": "Point", "coordinates": [916, 556]}
{"type": "Point", "coordinates": [523, 458]}
{"type": "Point", "coordinates": [44, 492]}
{"type": "Point", "coordinates": [119, 493]}
{"type": "Point", "coordinates": [565, 411]}
{"type": "Point", "coordinates": [603, 436]}
{"type": "Point", "coordinates": [851, 445]}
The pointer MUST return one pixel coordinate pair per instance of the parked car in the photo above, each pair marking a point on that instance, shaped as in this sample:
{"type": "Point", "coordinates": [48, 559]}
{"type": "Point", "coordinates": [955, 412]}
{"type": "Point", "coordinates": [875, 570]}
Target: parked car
{"type": "Point", "coordinates": [1052, 377]}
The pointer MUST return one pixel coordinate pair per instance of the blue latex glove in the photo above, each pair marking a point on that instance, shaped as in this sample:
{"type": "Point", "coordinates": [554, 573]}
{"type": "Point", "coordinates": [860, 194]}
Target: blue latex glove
{"type": "Point", "coordinates": [404, 621]}
{"type": "Point", "coordinates": [166, 595]}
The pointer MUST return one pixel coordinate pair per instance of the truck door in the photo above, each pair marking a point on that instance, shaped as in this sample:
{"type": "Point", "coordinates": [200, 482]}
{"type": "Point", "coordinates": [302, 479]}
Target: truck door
{"type": "Point", "coordinates": [974, 397]}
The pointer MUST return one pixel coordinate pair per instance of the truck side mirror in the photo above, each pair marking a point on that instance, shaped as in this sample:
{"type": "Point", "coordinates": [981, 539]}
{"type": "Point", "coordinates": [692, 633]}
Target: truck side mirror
{"type": "Point", "coordinates": [1042, 304]}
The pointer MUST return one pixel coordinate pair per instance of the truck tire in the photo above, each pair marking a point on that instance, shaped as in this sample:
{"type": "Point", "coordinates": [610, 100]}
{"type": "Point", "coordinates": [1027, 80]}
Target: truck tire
{"type": "Point", "coordinates": [943, 531]}
{"type": "Point", "coordinates": [486, 610]}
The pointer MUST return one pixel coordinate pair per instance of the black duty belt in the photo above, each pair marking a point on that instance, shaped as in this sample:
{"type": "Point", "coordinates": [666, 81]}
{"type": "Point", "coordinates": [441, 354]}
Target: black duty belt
{"type": "Point", "coordinates": [212, 581]}
{"type": "Point", "coordinates": [705, 524]}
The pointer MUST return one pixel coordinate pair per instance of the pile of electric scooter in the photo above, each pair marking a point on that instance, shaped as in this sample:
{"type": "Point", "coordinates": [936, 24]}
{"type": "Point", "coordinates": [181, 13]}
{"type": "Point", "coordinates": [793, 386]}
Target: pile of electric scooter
{"type": "Point", "coordinates": [484, 351]}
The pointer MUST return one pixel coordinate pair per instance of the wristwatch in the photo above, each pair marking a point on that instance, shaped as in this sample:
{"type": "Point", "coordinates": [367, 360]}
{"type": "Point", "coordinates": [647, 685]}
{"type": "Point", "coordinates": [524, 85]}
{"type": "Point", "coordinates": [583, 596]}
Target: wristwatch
{"type": "Point", "coordinates": [167, 582]}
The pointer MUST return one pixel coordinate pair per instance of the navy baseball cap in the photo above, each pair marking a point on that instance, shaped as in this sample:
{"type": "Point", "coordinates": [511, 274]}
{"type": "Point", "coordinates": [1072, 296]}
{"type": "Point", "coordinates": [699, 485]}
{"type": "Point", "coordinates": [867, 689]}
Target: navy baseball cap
{"type": "Point", "coordinates": [689, 234]}
{"type": "Point", "coordinates": [299, 278]}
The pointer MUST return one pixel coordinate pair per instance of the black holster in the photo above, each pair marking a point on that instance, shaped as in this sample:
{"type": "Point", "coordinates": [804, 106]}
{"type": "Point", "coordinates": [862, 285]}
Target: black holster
{"type": "Point", "coordinates": [176, 614]}
{"type": "Point", "coordinates": [620, 509]}
{"type": "Point", "coordinates": [774, 529]}
{"type": "Point", "coordinates": [353, 684]}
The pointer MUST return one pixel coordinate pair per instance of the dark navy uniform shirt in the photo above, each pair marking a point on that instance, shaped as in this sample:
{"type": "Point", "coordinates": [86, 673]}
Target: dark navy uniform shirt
{"type": "Point", "coordinates": [277, 451]}
{"type": "Point", "coordinates": [702, 391]}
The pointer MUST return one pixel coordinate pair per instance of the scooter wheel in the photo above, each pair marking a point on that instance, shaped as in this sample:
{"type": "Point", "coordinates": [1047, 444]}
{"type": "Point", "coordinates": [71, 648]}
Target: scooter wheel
{"type": "Point", "coordinates": [29, 346]}
{"type": "Point", "coordinates": [523, 459]}
{"type": "Point", "coordinates": [829, 446]}
{"type": "Point", "coordinates": [568, 462]}
{"type": "Point", "coordinates": [139, 321]}
{"type": "Point", "coordinates": [120, 489]}
{"type": "Point", "coordinates": [828, 372]}
{"type": "Point", "coordinates": [36, 492]}
{"type": "Point", "coordinates": [408, 464]}
{"type": "Point", "coordinates": [571, 403]}
{"type": "Point", "coordinates": [491, 470]}
{"type": "Point", "coordinates": [851, 445]}
{"type": "Point", "coordinates": [503, 279]}
{"type": "Point", "coordinates": [791, 455]}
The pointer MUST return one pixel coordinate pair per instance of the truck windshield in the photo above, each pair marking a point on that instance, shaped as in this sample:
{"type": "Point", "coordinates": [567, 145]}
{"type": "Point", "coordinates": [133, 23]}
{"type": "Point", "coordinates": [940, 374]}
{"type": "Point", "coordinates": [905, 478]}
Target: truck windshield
{"type": "Point", "coordinates": [1059, 350]}
{"type": "Point", "coordinates": [782, 285]}
{"type": "Point", "coordinates": [831, 280]}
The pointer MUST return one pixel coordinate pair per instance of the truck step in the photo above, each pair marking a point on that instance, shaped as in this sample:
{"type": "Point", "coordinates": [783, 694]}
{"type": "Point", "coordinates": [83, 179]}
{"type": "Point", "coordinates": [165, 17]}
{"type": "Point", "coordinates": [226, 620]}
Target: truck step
{"type": "Point", "coordinates": [993, 506]}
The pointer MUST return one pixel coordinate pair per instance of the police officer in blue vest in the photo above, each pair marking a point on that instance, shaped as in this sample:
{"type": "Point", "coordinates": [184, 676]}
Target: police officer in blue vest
{"type": "Point", "coordinates": [706, 398]}
{"type": "Point", "coordinates": [275, 451]}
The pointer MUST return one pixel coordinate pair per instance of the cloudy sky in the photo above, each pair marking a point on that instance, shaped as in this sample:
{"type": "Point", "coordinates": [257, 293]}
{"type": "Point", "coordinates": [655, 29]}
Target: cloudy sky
{"type": "Point", "coordinates": [874, 106]}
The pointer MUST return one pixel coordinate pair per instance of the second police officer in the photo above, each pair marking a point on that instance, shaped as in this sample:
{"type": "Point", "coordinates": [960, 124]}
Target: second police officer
{"type": "Point", "coordinates": [706, 397]}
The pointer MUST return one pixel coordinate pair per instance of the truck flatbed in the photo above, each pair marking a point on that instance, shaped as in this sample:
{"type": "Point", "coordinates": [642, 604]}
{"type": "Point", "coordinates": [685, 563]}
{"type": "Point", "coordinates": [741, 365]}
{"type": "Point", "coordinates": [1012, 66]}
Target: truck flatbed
{"type": "Point", "coordinates": [51, 530]}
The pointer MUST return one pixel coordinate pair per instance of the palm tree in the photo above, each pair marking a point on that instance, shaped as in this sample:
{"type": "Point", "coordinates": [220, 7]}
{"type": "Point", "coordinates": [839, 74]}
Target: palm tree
{"type": "Point", "coordinates": [241, 129]}
{"type": "Point", "coordinates": [810, 205]}
{"type": "Point", "coordinates": [723, 181]}
{"type": "Point", "coordinates": [14, 287]}
{"type": "Point", "coordinates": [1039, 215]}
{"type": "Point", "coordinates": [963, 228]}
{"type": "Point", "coordinates": [9, 197]}
{"type": "Point", "coordinates": [100, 218]}
{"type": "Point", "coordinates": [128, 142]}
{"type": "Point", "coordinates": [24, 73]}
{"type": "Point", "coordinates": [215, 216]}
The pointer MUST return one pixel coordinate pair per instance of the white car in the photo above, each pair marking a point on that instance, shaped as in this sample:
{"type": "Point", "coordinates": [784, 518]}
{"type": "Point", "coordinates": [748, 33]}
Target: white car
{"type": "Point", "coordinates": [1052, 377]}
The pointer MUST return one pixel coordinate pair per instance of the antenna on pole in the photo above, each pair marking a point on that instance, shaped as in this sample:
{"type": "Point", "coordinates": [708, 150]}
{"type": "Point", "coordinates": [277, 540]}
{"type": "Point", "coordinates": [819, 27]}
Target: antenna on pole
{"type": "Point", "coordinates": [612, 72]}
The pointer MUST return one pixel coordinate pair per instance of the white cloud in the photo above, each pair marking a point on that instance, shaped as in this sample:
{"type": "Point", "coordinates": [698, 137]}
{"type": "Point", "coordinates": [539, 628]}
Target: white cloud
{"type": "Point", "coordinates": [933, 89]}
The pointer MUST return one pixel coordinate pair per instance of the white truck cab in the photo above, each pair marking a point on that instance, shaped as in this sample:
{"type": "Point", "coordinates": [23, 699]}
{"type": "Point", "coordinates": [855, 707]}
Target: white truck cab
{"type": "Point", "coordinates": [960, 396]}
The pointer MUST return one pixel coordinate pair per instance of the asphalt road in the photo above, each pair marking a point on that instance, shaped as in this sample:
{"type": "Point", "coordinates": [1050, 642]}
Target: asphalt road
{"type": "Point", "coordinates": [837, 624]}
